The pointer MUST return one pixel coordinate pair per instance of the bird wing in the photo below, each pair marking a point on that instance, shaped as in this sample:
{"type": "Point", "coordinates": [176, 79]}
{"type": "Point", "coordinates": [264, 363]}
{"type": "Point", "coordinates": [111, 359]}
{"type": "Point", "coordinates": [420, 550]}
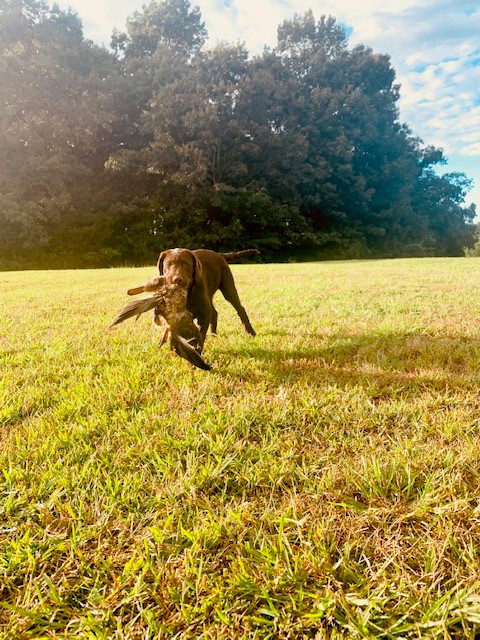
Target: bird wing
{"type": "Point", "coordinates": [137, 307]}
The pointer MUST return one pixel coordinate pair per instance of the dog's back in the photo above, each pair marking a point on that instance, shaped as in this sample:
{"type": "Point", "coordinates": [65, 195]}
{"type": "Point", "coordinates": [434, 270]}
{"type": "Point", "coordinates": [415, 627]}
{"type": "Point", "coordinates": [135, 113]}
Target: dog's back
{"type": "Point", "coordinates": [215, 269]}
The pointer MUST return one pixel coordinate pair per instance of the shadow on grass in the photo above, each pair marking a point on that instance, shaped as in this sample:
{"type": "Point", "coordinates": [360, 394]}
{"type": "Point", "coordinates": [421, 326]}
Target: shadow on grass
{"type": "Point", "coordinates": [413, 359]}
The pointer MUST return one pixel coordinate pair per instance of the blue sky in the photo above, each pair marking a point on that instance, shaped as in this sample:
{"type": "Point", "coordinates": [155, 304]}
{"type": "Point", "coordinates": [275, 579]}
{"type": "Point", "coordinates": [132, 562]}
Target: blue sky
{"type": "Point", "coordinates": [434, 47]}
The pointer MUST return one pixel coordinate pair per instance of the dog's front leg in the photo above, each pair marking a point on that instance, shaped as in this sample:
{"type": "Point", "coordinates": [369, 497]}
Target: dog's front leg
{"type": "Point", "coordinates": [203, 318]}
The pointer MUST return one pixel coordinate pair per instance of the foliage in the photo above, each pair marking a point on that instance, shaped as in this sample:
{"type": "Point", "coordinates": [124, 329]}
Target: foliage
{"type": "Point", "coordinates": [55, 120]}
{"type": "Point", "coordinates": [173, 24]}
{"type": "Point", "coordinates": [162, 141]}
{"type": "Point", "coordinates": [474, 252]}
{"type": "Point", "coordinates": [321, 481]}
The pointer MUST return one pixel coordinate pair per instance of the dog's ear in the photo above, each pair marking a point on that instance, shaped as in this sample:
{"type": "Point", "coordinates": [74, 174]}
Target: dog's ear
{"type": "Point", "coordinates": [161, 258]}
{"type": "Point", "coordinates": [197, 269]}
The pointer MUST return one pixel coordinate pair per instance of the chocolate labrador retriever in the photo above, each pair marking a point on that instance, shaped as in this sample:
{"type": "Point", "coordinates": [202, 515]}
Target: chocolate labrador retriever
{"type": "Point", "coordinates": [202, 272]}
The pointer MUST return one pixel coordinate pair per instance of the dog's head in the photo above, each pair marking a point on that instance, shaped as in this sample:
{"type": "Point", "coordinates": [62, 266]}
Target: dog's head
{"type": "Point", "coordinates": [180, 267]}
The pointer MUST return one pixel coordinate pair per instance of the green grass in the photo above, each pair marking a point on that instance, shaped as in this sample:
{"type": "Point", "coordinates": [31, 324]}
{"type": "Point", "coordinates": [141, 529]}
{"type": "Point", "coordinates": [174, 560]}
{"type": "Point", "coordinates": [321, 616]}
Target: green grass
{"type": "Point", "coordinates": [322, 481]}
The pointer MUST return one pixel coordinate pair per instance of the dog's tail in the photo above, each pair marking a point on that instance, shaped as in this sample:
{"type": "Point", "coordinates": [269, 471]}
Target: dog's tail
{"type": "Point", "coordinates": [233, 256]}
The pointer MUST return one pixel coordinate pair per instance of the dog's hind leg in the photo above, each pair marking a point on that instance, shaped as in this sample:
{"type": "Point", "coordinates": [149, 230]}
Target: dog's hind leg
{"type": "Point", "coordinates": [214, 320]}
{"type": "Point", "coordinates": [230, 293]}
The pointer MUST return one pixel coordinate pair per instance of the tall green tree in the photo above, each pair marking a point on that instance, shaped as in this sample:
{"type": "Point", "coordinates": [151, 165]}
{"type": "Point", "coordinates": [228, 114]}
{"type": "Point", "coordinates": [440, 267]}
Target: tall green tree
{"type": "Point", "coordinates": [55, 119]}
{"type": "Point", "coordinates": [169, 23]}
{"type": "Point", "coordinates": [155, 56]}
{"type": "Point", "coordinates": [439, 201]}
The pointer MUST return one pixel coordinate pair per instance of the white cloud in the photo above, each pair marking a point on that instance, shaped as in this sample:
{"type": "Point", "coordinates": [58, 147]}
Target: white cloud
{"type": "Point", "coordinates": [471, 149]}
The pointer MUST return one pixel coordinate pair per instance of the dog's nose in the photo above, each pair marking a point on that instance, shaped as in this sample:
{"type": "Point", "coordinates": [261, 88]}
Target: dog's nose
{"type": "Point", "coordinates": [179, 281]}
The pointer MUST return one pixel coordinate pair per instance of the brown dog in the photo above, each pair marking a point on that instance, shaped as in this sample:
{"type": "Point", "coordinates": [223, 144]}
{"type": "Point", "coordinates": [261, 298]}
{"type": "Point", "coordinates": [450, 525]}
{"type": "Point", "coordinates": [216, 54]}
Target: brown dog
{"type": "Point", "coordinates": [202, 272]}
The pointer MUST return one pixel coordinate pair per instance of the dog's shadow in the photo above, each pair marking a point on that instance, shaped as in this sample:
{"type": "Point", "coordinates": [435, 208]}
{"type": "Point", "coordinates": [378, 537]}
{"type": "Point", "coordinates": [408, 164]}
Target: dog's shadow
{"type": "Point", "coordinates": [382, 359]}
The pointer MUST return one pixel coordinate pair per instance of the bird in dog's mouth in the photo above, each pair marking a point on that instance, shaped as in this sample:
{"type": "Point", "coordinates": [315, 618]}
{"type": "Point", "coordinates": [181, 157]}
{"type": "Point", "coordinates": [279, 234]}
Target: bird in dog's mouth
{"type": "Point", "coordinates": [169, 302]}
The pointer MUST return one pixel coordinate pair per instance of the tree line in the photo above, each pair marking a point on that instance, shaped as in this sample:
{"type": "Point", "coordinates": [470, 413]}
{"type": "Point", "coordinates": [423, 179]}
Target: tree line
{"type": "Point", "coordinates": [108, 155]}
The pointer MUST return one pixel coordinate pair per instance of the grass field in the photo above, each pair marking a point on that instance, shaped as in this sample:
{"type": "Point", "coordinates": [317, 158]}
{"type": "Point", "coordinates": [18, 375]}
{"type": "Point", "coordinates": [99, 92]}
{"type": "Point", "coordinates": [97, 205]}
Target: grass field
{"type": "Point", "coordinates": [322, 481]}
